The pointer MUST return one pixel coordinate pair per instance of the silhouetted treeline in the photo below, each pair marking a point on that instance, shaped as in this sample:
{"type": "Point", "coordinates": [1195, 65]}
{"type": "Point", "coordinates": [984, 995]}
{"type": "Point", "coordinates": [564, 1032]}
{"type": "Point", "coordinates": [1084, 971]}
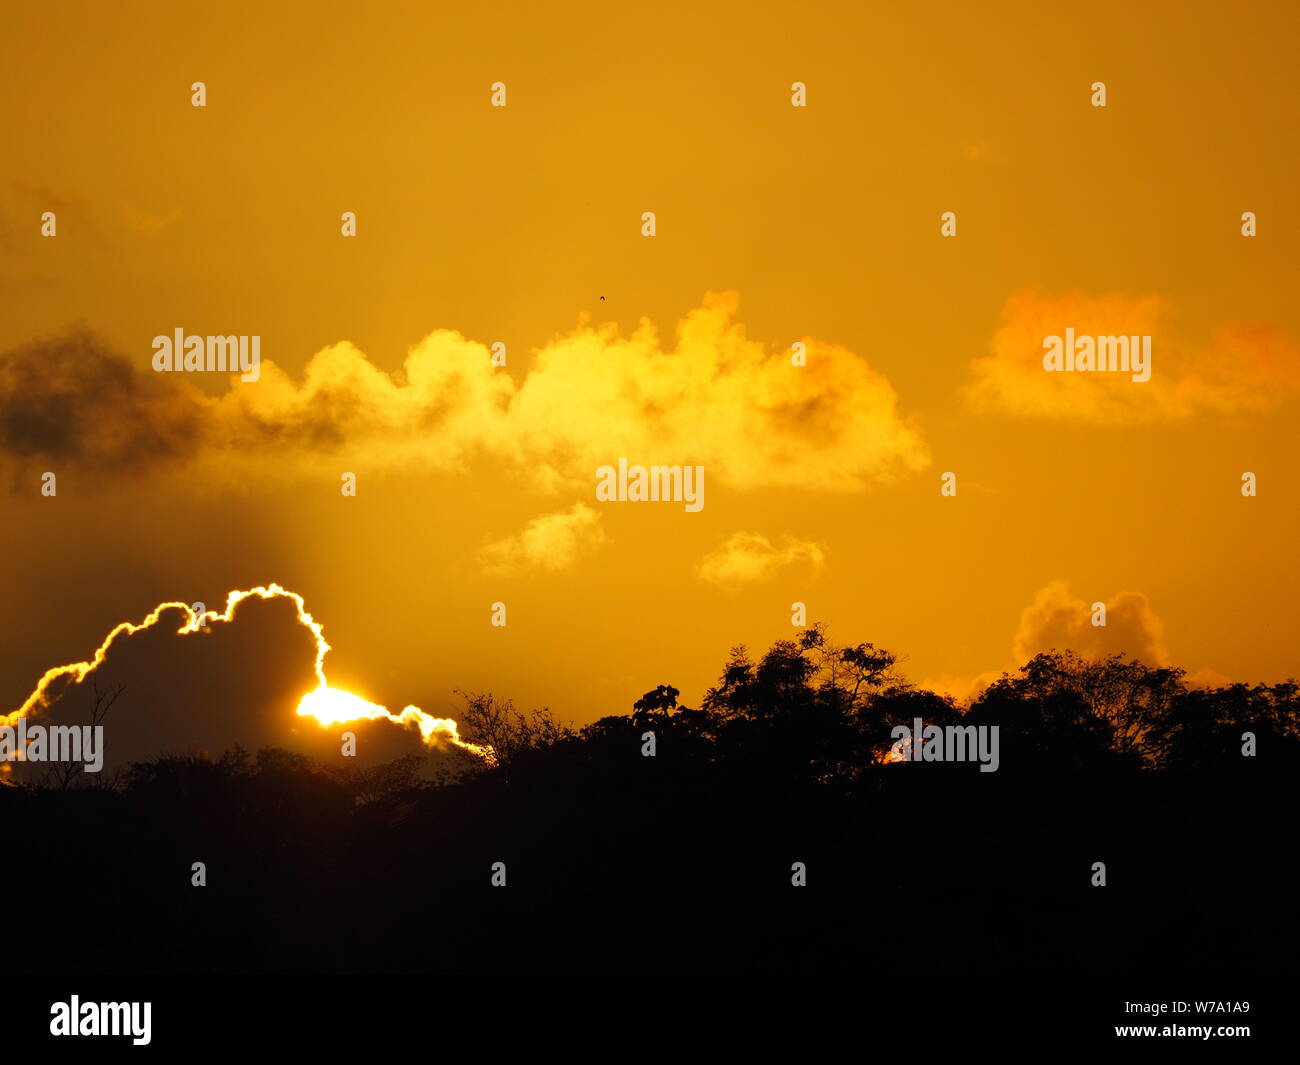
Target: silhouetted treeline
{"type": "Point", "coordinates": [615, 860]}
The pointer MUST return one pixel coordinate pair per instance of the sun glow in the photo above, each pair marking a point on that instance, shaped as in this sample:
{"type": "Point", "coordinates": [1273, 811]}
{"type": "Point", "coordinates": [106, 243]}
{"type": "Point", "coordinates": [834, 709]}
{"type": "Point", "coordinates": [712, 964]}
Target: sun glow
{"type": "Point", "coordinates": [333, 706]}
{"type": "Point", "coordinates": [327, 706]}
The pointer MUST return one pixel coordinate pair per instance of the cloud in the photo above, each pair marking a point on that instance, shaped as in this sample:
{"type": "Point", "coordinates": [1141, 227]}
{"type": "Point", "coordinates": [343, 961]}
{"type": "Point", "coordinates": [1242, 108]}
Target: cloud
{"type": "Point", "coordinates": [745, 557]}
{"type": "Point", "coordinates": [1205, 677]}
{"type": "Point", "coordinates": [550, 543]}
{"type": "Point", "coordinates": [590, 397]}
{"type": "Point", "coordinates": [444, 405]}
{"type": "Point", "coordinates": [240, 682]}
{"type": "Point", "coordinates": [718, 399]}
{"type": "Point", "coordinates": [1243, 369]}
{"type": "Point", "coordinates": [1056, 620]}
{"type": "Point", "coordinates": [961, 688]}
{"type": "Point", "coordinates": [72, 402]}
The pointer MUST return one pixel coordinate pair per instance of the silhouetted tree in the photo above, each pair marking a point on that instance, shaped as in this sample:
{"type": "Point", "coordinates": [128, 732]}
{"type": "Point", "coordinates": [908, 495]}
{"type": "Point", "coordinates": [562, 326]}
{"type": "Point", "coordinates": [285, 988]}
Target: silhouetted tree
{"type": "Point", "coordinates": [510, 733]}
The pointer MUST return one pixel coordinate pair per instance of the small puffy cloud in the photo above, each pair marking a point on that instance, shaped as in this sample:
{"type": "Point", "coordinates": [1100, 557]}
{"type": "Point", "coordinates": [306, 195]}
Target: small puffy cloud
{"type": "Point", "coordinates": [1205, 677]}
{"type": "Point", "coordinates": [549, 543]}
{"type": "Point", "coordinates": [1056, 620]}
{"type": "Point", "coordinates": [745, 557]}
{"type": "Point", "coordinates": [1242, 369]}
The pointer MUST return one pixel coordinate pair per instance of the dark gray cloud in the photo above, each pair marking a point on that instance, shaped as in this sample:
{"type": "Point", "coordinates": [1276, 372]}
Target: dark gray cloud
{"type": "Point", "coordinates": [70, 403]}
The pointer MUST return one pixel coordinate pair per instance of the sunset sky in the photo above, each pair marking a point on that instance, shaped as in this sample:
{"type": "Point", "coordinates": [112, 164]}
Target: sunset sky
{"type": "Point", "coordinates": [775, 224]}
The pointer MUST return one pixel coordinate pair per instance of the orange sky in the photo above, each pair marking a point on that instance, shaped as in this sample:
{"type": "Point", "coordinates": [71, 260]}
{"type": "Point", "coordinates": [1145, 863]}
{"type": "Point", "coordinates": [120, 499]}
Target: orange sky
{"type": "Point", "coordinates": [775, 224]}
